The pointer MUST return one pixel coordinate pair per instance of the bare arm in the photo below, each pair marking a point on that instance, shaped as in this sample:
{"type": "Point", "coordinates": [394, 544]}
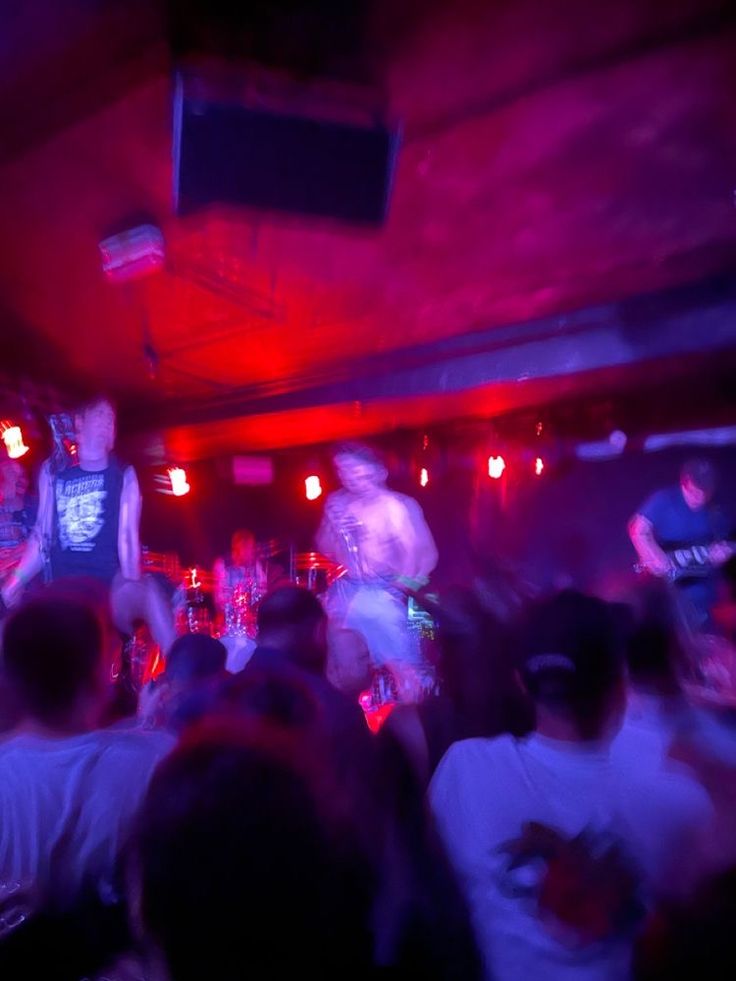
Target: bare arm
{"type": "Point", "coordinates": [32, 560]}
{"type": "Point", "coordinates": [129, 542]}
{"type": "Point", "coordinates": [421, 551]}
{"type": "Point", "coordinates": [641, 533]}
{"type": "Point", "coordinates": [327, 539]}
{"type": "Point", "coordinates": [323, 539]}
{"type": "Point", "coordinates": [425, 548]}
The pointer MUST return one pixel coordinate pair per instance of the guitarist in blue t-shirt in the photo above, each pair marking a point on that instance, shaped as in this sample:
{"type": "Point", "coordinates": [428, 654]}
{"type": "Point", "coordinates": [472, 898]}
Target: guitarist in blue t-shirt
{"type": "Point", "coordinates": [680, 534]}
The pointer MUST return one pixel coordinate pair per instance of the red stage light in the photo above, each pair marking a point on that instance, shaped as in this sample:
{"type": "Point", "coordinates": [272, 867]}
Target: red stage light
{"type": "Point", "coordinates": [538, 466]}
{"type": "Point", "coordinates": [178, 478]}
{"type": "Point", "coordinates": [13, 439]}
{"type": "Point", "coordinates": [424, 477]}
{"type": "Point", "coordinates": [313, 487]}
{"type": "Point", "coordinates": [496, 467]}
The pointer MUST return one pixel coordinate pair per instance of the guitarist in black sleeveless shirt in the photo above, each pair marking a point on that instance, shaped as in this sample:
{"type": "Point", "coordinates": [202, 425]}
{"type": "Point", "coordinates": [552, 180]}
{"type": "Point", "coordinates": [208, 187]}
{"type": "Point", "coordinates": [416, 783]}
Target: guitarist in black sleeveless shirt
{"type": "Point", "coordinates": [680, 534]}
{"type": "Point", "coordinates": [88, 525]}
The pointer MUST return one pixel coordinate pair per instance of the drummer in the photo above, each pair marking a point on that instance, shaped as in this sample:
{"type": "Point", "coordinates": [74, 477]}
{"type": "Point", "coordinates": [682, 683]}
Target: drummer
{"type": "Point", "coordinates": [241, 575]}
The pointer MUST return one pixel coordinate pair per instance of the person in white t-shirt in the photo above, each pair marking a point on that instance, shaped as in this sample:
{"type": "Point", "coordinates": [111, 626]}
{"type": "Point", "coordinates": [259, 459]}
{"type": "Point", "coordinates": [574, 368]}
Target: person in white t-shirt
{"type": "Point", "coordinates": [557, 847]}
{"type": "Point", "coordinates": [69, 791]}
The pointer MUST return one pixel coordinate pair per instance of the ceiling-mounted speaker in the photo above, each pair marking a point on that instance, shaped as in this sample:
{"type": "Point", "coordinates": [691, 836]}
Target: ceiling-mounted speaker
{"type": "Point", "coordinates": [289, 155]}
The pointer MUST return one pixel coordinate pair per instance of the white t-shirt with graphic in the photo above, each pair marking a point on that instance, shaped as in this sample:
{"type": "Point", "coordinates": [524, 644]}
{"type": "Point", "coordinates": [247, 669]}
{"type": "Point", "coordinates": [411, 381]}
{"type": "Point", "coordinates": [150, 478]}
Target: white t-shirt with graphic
{"type": "Point", "coordinates": [67, 805]}
{"type": "Point", "coordinates": [517, 815]}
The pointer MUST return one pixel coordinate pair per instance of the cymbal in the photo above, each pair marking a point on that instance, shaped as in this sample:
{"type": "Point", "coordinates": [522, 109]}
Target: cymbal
{"type": "Point", "coordinates": [271, 548]}
{"type": "Point", "coordinates": [307, 561]}
{"type": "Point", "coordinates": [203, 580]}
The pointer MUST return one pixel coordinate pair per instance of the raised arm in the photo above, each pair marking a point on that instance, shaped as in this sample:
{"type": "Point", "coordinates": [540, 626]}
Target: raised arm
{"type": "Point", "coordinates": [651, 556]}
{"type": "Point", "coordinates": [129, 542]}
{"type": "Point", "coordinates": [33, 557]}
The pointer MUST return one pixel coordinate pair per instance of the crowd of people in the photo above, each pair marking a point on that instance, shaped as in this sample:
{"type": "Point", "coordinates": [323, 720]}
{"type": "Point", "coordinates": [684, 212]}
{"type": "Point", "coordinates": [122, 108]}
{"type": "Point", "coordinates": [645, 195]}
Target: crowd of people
{"type": "Point", "coordinates": [558, 804]}
{"type": "Point", "coordinates": [561, 809]}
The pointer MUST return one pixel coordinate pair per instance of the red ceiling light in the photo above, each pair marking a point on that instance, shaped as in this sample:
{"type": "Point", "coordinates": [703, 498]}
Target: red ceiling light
{"type": "Point", "coordinates": [312, 487]}
{"type": "Point", "coordinates": [538, 466]}
{"type": "Point", "coordinates": [13, 439]}
{"type": "Point", "coordinates": [496, 467]}
{"type": "Point", "coordinates": [424, 476]}
{"type": "Point", "coordinates": [179, 483]}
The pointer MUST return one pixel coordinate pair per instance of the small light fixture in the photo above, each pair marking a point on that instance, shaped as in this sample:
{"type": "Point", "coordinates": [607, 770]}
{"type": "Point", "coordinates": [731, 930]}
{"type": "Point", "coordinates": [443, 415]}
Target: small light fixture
{"type": "Point", "coordinates": [312, 487]}
{"type": "Point", "coordinates": [179, 484]}
{"type": "Point", "coordinates": [496, 467]}
{"type": "Point", "coordinates": [13, 439]}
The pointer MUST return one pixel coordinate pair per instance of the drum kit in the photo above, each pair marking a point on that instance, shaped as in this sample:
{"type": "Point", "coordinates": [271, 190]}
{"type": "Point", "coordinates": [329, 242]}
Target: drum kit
{"type": "Point", "coordinates": [235, 626]}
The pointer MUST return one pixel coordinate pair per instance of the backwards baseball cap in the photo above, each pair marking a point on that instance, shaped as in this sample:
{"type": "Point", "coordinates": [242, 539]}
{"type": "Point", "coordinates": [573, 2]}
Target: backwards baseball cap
{"type": "Point", "coordinates": [571, 645]}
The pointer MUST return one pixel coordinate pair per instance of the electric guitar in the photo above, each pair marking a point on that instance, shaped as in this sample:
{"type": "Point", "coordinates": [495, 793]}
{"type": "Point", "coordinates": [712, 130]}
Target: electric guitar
{"type": "Point", "coordinates": [691, 562]}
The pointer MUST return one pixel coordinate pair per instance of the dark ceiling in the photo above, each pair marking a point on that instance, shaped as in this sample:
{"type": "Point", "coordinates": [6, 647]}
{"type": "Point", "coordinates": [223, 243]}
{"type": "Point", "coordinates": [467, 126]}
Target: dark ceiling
{"type": "Point", "coordinates": [562, 222]}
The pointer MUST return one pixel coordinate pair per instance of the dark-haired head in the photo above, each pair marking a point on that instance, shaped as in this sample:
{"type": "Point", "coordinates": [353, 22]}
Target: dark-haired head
{"type": "Point", "coordinates": [95, 422]}
{"type": "Point", "coordinates": [698, 482]}
{"type": "Point", "coordinates": [478, 668]}
{"type": "Point", "coordinates": [360, 468]}
{"type": "Point", "coordinates": [95, 401]}
{"type": "Point", "coordinates": [269, 697]}
{"type": "Point", "coordinates": [292, 621]}
{"type": "Point", "coordinates": [195, 657]}
{"type": "Point", "coordinates": [53, 660]}
{"type": "Point", "coordinates": [572, 649]}
{"type": "Point", "coordinates": [238, 833]}
{"type": "Point", "coordinates": [358, 451]}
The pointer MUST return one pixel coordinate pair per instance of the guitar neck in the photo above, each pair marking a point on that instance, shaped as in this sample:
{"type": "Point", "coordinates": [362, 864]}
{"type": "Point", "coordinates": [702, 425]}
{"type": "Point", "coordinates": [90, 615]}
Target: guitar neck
{"type": "Point", "coordinates": [693, 560]}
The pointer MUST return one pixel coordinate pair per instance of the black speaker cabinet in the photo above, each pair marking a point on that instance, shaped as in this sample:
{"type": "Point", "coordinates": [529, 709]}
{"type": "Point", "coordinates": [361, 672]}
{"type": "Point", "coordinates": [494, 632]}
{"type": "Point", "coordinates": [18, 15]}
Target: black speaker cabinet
{"type": "Point", "coordinates": [230, 152]}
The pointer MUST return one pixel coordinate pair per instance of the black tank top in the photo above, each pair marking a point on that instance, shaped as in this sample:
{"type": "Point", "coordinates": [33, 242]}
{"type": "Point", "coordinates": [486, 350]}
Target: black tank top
{"type": "Point", "coordinates": [86, 520]}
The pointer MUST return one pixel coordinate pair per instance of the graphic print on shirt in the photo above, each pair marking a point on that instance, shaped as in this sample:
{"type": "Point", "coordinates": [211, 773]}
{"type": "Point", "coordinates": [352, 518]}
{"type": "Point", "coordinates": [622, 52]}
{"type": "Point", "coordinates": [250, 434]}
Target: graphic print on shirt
{"type": "Point", "coordinates": [80, 505]}
{"type": "Point", "coordinates": [585, 889]}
